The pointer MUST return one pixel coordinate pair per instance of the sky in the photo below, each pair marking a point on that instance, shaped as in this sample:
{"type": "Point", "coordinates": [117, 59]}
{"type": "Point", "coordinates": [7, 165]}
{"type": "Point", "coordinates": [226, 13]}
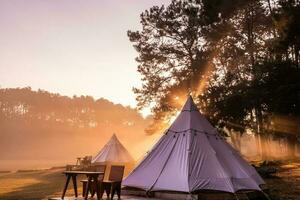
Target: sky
{"type": "Point", "coordinates": [71, 47]}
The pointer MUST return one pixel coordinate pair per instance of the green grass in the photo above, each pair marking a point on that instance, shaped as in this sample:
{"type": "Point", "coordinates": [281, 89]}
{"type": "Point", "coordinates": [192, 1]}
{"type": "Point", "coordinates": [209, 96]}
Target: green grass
{"type": "Point", "coordinates": [33, 185]}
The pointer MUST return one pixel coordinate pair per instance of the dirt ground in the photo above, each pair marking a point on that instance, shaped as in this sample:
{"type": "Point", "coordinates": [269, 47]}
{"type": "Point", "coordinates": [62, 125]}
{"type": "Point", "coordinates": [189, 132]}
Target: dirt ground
{"type": "Point", "coordinates": [284, 185]}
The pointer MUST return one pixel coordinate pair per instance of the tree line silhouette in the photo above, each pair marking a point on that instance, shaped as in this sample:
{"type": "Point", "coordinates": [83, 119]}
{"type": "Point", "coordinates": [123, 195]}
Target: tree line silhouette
{"type": "Point", "coordinates": [43, 125]}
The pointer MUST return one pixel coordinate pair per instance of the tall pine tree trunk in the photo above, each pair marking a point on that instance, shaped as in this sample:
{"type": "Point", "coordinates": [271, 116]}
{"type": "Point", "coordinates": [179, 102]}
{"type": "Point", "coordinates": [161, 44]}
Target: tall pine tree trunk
{"type": "Point", "coordinates": [263, 136]}
{"type": "Point", "coordinates": [292, 142]}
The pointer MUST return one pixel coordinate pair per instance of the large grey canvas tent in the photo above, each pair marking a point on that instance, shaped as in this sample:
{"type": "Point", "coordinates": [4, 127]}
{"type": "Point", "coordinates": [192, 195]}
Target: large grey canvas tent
{"type": "Point", "coordinates": [192, 156]}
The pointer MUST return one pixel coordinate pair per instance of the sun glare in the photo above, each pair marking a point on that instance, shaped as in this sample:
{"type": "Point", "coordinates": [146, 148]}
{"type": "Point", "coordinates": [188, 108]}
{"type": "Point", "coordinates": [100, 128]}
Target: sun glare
{"type": "Point", "coordinates": [173, 118]}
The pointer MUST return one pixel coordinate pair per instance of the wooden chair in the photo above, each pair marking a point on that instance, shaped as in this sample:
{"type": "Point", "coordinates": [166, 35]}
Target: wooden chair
{"type": "Point", "coordinates": [113, 184]}
{"type": "Point", "coordinates": [94, 168]}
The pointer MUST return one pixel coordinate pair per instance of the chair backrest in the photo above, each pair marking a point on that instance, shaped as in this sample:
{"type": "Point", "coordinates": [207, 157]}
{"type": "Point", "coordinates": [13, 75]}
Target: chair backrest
{"type": "Point", "coordinates": [98, 168]}
{"type": "Point", "coordinates": [116, 173]}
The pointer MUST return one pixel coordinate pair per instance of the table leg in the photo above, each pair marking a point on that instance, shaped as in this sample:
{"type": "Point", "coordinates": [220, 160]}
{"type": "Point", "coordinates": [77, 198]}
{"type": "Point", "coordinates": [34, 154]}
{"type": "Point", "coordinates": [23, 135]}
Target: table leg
{"type": "Point", "coordinates": [66, 186]}
{"type": "Point", "coordinates": [87, 189]}
{"type": "Point", "coordinates": [75, 184]}
{"type": "Point", "coordinates": [97, 187]}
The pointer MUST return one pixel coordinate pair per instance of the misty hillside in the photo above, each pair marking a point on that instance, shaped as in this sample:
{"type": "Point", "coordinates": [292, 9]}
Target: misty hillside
{"type": "Point", "coordinates": [38, 125]}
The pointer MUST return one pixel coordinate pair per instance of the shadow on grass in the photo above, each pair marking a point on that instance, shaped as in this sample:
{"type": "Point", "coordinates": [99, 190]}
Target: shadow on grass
{"type": "Point", "coordinates": [49, 183]}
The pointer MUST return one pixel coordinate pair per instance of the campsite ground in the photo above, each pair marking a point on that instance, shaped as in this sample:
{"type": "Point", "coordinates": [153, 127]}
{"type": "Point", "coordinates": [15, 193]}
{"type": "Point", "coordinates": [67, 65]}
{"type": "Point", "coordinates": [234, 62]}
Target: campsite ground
{"type": "Point", "coordinates": [42, 184]}
{"type": "Point", "coordinates": [285, 185]}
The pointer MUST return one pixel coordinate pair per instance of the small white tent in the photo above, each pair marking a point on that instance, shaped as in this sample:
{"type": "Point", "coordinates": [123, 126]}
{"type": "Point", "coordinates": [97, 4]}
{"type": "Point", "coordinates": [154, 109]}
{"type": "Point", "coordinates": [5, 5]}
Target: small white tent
{"type": "Point", "coordinates": [192, 156]}
{"type": "Point", "coordinates": [114, 153]}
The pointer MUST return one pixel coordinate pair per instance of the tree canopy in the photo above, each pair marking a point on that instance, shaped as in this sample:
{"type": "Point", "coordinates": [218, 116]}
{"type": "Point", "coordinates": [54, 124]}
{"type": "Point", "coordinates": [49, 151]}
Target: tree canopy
{"type": "Point", "coordinates": [239, 59]}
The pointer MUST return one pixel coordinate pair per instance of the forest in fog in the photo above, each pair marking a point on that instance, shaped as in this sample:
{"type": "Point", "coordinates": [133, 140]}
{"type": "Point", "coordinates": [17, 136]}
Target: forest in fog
{"type": "Point", "coordinates": [38, 125]}
{"type": "Point", "coordinates": [40, 129]}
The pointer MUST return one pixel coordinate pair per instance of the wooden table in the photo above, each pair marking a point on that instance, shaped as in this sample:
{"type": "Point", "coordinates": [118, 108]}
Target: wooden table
{"type": "Point", "coordinates": [92, 176]}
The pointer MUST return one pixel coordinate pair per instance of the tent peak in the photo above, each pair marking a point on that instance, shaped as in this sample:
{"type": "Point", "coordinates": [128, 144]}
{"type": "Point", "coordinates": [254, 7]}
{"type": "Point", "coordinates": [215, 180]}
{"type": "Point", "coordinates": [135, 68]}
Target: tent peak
{"type": "Point", "coordinates": [113, 137]}
{"type": "Point", "coordinates": [189, 105]}
{"type": "Point", "coordinates": [113, 151]}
